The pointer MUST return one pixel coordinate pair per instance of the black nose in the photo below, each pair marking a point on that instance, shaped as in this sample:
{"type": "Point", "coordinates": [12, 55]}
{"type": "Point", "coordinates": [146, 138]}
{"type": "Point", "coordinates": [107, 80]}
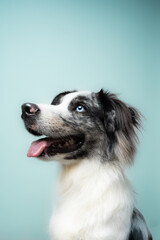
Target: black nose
{"type": "Point", "coordinates": [29, 109]}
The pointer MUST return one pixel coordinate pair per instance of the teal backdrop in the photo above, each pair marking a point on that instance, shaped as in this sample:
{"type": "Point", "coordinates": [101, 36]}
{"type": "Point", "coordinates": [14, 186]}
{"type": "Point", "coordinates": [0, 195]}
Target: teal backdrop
{"type": "Point", "coordinates": [50, 46]}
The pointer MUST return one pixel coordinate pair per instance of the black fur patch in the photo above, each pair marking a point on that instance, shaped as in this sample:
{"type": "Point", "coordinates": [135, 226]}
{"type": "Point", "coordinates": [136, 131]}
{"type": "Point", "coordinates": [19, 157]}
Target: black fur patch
{"type": "Point", "coordinates": [136, 235]}
{"type": "Point", "coordinates": [120, 122]}
{"type": "Point", "coordinates": [139, 229]}
{"type": "Point", "coordinates": [117, 115]}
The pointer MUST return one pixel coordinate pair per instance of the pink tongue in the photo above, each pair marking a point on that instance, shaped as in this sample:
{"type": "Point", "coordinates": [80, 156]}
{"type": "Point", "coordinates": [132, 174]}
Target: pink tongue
{"type": "Point", "coordinates": [37, 147]}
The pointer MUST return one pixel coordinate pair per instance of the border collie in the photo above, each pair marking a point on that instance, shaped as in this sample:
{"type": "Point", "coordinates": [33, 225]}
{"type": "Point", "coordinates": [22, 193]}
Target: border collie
{"type": "Point", "coordinates": [93, 136]}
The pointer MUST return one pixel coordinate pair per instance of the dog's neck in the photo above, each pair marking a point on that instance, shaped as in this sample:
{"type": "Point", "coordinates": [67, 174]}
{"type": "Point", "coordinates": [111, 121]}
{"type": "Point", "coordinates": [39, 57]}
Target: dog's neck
{"type": "Point", "coordinates": [90, 173]}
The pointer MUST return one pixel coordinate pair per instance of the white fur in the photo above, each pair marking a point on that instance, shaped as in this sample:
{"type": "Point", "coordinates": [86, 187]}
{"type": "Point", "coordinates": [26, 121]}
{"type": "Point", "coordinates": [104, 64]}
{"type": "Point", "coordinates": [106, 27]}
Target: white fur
{"type": "Point", "coordinates": [95, 203]}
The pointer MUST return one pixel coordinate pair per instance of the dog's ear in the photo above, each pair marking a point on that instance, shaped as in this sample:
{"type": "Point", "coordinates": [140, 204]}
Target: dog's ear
{"type": "Point", "coordinates": [120, 122]}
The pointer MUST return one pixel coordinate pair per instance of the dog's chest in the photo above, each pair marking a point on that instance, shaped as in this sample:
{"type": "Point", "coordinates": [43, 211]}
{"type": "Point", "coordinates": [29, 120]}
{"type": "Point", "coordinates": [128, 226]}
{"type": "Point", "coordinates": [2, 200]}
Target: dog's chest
{"type": "Point", "coordinates": [90, 209]}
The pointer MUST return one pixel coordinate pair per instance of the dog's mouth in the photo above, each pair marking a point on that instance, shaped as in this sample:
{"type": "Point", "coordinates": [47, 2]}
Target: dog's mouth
{"type": "Point", "coordinates": [47, 147]}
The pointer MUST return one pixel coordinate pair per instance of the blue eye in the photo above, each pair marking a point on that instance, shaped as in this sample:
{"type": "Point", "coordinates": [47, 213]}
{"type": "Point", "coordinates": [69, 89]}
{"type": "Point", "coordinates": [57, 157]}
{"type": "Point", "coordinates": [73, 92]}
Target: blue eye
{"type": "Point", "coordinates": [80, 108]}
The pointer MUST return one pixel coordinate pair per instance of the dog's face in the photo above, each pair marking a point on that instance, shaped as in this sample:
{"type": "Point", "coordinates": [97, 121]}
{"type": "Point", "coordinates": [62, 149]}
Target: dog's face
{"type": "Point", "coordinates": [80, 125]}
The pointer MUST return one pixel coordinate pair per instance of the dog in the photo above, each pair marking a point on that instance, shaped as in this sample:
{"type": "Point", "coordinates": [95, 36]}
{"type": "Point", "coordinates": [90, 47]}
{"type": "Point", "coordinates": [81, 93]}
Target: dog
{"type": "Point", "coordinates": [94, 137]}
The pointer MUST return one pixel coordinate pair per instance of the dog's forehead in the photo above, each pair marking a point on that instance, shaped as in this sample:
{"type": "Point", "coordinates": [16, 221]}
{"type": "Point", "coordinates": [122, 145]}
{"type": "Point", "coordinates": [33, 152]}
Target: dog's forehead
{"type": "Point", "coordinates": [71, 96]}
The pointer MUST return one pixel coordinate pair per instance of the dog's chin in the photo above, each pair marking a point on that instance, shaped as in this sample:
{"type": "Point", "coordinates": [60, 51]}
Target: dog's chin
{"type": "Point", "coordinates": [33, 132]}
{"type": "Point", "coordinates": [48, 147]}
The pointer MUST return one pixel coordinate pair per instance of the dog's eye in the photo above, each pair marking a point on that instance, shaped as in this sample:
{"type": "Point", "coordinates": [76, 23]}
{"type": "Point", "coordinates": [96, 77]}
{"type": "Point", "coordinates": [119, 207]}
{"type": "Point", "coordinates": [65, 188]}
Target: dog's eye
{"type": "Point", "coordinates": [80, 109]}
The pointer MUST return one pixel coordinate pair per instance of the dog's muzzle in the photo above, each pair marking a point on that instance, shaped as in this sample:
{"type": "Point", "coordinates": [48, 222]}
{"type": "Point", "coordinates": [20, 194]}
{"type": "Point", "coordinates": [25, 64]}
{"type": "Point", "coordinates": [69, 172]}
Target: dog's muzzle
{"type": "Point", "coordinates": [50, 145]}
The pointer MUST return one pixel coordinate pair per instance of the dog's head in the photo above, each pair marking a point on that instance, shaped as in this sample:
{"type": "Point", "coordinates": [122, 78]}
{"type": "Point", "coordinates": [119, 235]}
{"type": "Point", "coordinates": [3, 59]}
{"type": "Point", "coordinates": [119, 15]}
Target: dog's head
{"type": "Point", "coordinates": [80, 125]}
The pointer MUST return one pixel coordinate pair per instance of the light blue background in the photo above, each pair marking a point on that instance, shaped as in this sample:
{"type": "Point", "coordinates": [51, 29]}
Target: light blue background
{"type": "Point", "coordinates": [50, 46]}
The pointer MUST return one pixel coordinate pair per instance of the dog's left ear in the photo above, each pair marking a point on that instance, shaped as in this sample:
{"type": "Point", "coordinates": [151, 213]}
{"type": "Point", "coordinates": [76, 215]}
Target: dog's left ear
{"type": "Point", "coordinates": [120, 123]}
